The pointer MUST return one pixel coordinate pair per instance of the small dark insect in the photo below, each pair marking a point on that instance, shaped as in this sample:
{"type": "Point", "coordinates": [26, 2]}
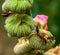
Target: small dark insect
{"type": "Point", "coordinates": [51, 38]}
{"type": "Point", "coordinates": [5, 14]}
{"type": "Point", "coordinates": [40, 36]}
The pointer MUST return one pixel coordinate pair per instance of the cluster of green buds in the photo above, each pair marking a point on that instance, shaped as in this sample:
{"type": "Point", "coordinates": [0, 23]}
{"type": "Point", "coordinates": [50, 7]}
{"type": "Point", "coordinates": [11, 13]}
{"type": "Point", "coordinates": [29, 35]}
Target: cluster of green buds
{"type": "Point", "coordinates": [33, 36]}
{"type": "Point", "coordinates": [19, 22]}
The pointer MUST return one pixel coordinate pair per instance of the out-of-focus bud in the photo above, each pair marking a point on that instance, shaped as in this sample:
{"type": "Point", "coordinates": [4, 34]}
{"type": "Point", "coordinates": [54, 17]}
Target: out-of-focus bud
{"type": "Point", "coordinates": [22, 46]}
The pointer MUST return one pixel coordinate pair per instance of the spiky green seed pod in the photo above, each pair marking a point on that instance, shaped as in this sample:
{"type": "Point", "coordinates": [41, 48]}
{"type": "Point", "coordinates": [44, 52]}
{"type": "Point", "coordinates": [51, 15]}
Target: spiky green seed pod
{"type": "Point", "coordinates": [19, 6]}
{"type": "Point", "coordinates": [22, 46]}
{"type": "Point", "coordinates": [19, 25]}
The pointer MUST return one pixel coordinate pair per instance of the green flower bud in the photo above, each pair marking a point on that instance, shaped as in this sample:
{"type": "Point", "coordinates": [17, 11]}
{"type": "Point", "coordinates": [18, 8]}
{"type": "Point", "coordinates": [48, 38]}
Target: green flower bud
{"type": "Point", "coordinates": [19, 25]}
{"type": "Point", "coordinates": [37, 43]}
{"type": "Point", "coordinates": [19, 6]}
{"type": "Point", "coordinates": [22, 46]}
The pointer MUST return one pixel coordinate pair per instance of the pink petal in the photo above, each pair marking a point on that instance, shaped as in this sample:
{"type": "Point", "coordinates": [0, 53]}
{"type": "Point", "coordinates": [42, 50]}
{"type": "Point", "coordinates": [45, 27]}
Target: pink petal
{"type": "Point", "coordinates": [42, 19]}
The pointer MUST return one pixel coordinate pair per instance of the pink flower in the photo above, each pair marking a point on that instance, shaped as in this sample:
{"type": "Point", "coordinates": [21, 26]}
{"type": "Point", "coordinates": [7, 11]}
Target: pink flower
{"type": "Point", "coordinates": [42, 19]}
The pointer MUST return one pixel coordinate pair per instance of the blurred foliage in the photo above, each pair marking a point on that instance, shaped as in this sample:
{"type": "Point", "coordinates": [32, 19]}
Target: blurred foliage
{"type": "Point", "coordinates": [47, 7]}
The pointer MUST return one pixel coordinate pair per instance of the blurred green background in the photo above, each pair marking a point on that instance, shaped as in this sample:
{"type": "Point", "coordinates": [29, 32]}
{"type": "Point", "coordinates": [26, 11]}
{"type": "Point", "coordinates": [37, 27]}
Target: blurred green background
{"type": "Point", "coordinates": [47, 7]}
